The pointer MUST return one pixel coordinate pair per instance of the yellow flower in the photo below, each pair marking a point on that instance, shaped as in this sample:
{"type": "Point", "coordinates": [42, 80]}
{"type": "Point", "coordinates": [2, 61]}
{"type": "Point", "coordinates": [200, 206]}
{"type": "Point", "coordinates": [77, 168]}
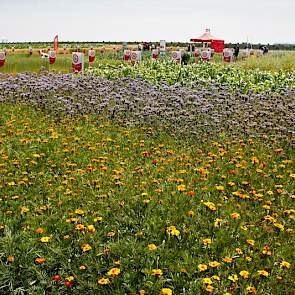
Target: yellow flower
{"type": "Point", "coordinates": [285, 264]}
{"type": "Point", "coordinates": [190, 213]}
{"type": "Point", "coordinates": [157, 272]}
{"type": "Point", "coordinates": [79, 212]}
{"type": "Point", "coordinates": [209, 289]}
{"type": "Point", "coordinates": [152, 247]}
{"type": "Point", "coordinates": [181, 188]}
{"type": "Point", "coordinates": [263, 273]}
{"type": "Point", "coordinates": [233, 278]}
{"type": "Point", "coordinates": [250, 242]}
{"type": "Point", "coordinates": [207, 242]}
{"type": "Point", "coordinates": [82, 267]}
{"type": "Point", "coordinates": [210, 205]}
{"type": "Point", "coordinates": [171, 230]}
{"type": "Point", "coordinates": [202, 267]}
{"type": "Point", "coordinates": [279, 226]}
{"type": "Point", "coordinates": [235, 215]}
{"type": "Point", "coordinates": [103, 281]}
{"type": "Point", "coordinates": [69, 279]}
{"type": "Point", "coordinates": [91, 228]}
{"type": "Point", "coordinates": [166, 291]}
{"type": "Point", "coordinates": [114, 272]}
{"type": "Point", "coordinates": [207, 281]}
{"type": "Point", "coordinates": [45, 239]}
{"type": "Point", "coordinates": [228, 259]}
{"type": "Point", "coordinates": [220, 188]}
{"type": "Point", "coordinates": [86, 247]}
{"type": "Point", "coordinates": [244, 274]}
{"type": "Point", "coordinates": [214, 264]}
{"type": "Point", "coordinates": [248, 258]}
{"type": "Point", "coordinates": [251, 290]}
{"type": "Point", "coordinates": [110, 234]}
{"type": "Point", "coordinates": [217, 222]}
{"type": "Point", "coordinates": [80, 227]}
{"type": "Point", "coordinates": [216, 278]}
{"type": "Point", "coordinates": [24, 210]}
{"type": "Point", "coordinates": [98, 219]}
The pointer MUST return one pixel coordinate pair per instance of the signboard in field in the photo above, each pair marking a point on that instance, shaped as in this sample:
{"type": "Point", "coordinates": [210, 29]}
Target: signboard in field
{"type": "Point", "coordinates": [2, 58]}
{"type": "Point", "coordinates": [176, 55]}
{"type": "Point", "coordinates": [227, 55]}
{"type": "Point", "coordinates": [162, 45]}
{"type": "Point", "coordinates": [91, 55]}
{"type": "Point", "coordinates": [52, 56]}
{"type": "Point", "coordinates": [78, 62]}
{"type": "Point", "coordinates": [135, 56]}
{"type": "Point", "coordinates": [205, 55]}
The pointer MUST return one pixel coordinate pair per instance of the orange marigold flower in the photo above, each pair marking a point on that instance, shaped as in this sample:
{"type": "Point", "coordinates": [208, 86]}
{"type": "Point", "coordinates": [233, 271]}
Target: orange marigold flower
{"type": "Point", "coordinates": [235, 215]}
{"type": "Point", "coordinates": [227, 259]}
{"type": "Point", "coordinates": [86, 247]}
{"type": "Point", "coordinates": [40, 260]}
{"type": "Point", "coordinates": [114, 272]}
{"type": "Point", "coordinates": [263, 273]}
{"type": "Point", "coordinates": [250, 242]}
{"type": "Point", "coordinates": [244, 274]}
{"type": "Point", "coordinates": [39, 230]}
{"type": "Point", "coordinates": [157, 272]}
{"type": "Point", "coordinates": [103, 281]}
{"type": "Point", "coordinates": [166, 291]}
{"type": "Point", "coordinates": [251, 290]}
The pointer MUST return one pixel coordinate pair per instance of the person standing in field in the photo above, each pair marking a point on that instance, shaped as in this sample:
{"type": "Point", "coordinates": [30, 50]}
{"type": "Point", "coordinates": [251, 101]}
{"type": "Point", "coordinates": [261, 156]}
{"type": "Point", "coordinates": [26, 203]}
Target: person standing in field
{"type": "Point", "coordinates": [236, 51]}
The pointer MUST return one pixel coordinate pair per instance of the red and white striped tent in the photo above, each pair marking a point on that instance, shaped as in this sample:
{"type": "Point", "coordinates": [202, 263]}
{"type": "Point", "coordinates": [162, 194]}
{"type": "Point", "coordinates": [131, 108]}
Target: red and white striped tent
{"type": "Point", "coordinates": [216, 43]}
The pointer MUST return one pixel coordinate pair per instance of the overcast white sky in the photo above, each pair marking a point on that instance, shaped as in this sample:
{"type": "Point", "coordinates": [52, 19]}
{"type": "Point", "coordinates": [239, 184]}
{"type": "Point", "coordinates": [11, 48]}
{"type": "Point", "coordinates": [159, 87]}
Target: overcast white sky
{"type": "Point", "coordinates": [259, 21]}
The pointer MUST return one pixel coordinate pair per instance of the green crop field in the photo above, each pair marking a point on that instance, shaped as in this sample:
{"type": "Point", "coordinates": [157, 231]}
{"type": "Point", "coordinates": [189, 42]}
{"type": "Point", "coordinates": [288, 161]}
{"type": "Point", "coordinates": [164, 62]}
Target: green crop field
{"type": "Point", "coordinates": [155, 178]}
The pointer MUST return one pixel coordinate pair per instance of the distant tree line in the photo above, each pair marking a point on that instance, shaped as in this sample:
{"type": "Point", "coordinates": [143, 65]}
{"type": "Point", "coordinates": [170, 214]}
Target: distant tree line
{"type": "Point", "coordinates": [73, 44]}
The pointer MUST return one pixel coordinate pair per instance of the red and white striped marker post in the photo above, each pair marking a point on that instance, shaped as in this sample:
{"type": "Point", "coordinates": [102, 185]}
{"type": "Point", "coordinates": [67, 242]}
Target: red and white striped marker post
{"type": "Point", "coordinates": [176, 56]}
{"type": "Point", "coordinates": [135, 56]}
{"type": "Point", "coordinates": [78, 62]}
{"type": "Point", "coordinates": [227, 55]}
{"type": "Point", "coordinates": [91, 55]}
{"type": "Point", "coordinates": [2, 58]}
{"type": "Point", "coordinates": [205, 55]}
{"type": "Point", "coordinates": [155, 54]}
{"type": "Point", "coordinates": [127, 55]}
{"type": "Point", "coordinates": [52, 57]}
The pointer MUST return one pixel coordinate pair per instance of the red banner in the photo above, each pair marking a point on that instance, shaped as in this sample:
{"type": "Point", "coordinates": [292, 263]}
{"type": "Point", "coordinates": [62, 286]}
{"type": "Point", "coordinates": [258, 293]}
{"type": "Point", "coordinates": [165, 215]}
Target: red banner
{"type": "Point", "coordinates": [55, 43]}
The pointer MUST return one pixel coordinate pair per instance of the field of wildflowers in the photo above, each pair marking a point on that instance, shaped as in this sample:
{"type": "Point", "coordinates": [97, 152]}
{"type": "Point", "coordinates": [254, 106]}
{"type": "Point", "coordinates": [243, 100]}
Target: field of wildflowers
{"type": "Point", "coordinates": [126, 186]}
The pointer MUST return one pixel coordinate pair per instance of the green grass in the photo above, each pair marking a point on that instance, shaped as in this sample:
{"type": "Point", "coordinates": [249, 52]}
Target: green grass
{"type": "Point", "coordinates": [274, 62]}
{"type": "Point", "coordinates": [132, 184]}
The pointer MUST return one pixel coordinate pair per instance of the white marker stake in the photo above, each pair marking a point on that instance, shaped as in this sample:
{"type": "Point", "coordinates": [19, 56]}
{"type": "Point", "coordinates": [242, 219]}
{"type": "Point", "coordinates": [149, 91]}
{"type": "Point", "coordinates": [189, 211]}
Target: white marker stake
{"type": "Point", "coordinates": [78, 62]}
{"type": "Point", "coordinates": [135, 56]}
{"type": "Point", "coordinates": [52, 56]}
{"type": "Point", "coordinates": [2, 59]}
{"type": "Point", "coordinates": [155, 54]}
{"type": "Point", "coordinates": [91, 55]}
{"type": "Point", "coordinates": [176, 55]}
